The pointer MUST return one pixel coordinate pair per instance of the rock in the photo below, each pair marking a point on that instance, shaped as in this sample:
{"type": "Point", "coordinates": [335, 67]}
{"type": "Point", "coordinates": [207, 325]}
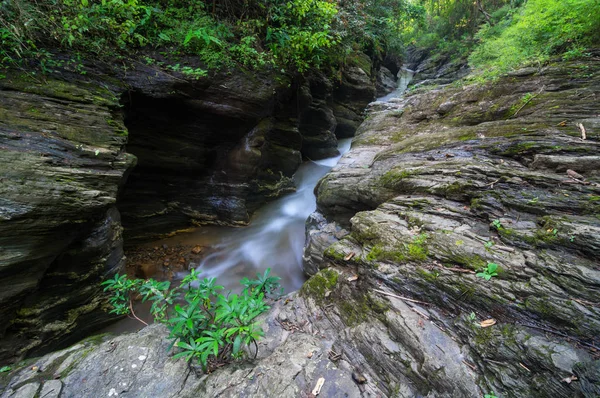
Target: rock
{"type": "Point", "coordinates": [51, 389]}
{"type": "Point", "coordinates": [420, 192]}
{"type": "Point", "coordinates": [208, 151]}
{"type": "Point", "coordinates": [386, 82]}
{"type": "Point", "coordinates": [197, 249]}
{"type": "Point", "coordinates": [62, 164]}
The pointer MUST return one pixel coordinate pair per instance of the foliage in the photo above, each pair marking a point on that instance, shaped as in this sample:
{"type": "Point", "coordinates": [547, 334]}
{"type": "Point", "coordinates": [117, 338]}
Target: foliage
{"type": "Point", "coordinates": [5, 369]}
{"type": "Point", "coordinates": [540, 29]}
{"type": "Point", "coordinates": [293, 35]}
{"type": "Point", "coordinates": [207, 326]}
{"type": "Point", "coordinates": [488, 272]}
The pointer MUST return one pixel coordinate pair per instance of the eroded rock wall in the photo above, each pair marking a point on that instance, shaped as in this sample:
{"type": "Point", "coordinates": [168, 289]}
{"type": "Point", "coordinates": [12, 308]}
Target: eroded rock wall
{"type": "Point", "coordinates": [209, 151]}
{"type": "Point", "coordinates": [441, 184]}
{"type": "Point", "coordinates": [62, 162]}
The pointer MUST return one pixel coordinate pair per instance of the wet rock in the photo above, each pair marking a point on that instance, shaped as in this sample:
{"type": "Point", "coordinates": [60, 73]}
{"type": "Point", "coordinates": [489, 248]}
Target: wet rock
{"type": "Point", "coordinates": [386, 82]}
{"type": "Point", "coordinates": [62, 164]}
{"type": "Point", "coordinates": [436, 187]}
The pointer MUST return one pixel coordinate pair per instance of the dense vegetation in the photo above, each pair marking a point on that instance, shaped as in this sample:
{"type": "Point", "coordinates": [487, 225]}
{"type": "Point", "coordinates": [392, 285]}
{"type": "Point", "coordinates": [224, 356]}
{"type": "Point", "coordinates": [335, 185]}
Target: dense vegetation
{"type": "Point", "coordinates": [293, 36]}
{"type": "Point", "coordinates": [499, 35]}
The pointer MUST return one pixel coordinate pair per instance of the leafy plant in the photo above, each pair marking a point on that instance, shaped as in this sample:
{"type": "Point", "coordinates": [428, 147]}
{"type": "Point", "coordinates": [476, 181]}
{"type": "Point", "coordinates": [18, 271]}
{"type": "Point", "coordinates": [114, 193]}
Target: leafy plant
{"type": "Point", "coordinates": [497, 224]}
{"type": "Point", "coordinates": [5, 369]}
{"type": "Point", "coordinates": [209, 327]}
{"type": "Point", "coordinates": [488, 272]}
{"type": "Point", "coordinates": [490, 395]}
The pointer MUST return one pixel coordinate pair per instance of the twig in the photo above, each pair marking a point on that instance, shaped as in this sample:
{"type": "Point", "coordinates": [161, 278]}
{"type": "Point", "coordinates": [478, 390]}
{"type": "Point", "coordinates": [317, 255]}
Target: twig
{"type": "Point", "coordinates": [420, 313]}
{"type": "Point", "coordinates": [401, 297]}
{"type": "Point", "coordinates": [524, 367]}
{"type": "Point", "coordinates": [528, 101]}
{"type": "Point", "coordinates": [469, 365]}
{"type": "Point", "coordinates": [133, 313]}
{"type": "Point", "coordinates": [491, 184]}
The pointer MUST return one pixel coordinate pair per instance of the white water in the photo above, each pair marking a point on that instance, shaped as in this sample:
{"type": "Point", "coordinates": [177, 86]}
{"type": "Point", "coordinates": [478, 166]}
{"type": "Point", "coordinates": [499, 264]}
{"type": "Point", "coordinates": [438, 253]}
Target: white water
{"type": "Point", "coordinates": [405, 75]}
{"type": "Point", "coordinates": [274, 239]}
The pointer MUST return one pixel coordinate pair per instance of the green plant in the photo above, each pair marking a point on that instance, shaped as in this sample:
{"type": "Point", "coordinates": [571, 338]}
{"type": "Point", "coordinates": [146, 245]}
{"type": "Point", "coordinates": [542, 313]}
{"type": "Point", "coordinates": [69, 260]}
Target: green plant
{"type": "Point", "coordinates": [209, 327]}
{"type": "Point", "coordinates": [488, 244]}
{"type": "Point", "coordinates": [488, 272]}
{"type": "Point", "coordinates": [490, 395]}
{"type": "Point", "coordinates": [5, 369]}
{"type": "Point", "coordinates": [497, 224]}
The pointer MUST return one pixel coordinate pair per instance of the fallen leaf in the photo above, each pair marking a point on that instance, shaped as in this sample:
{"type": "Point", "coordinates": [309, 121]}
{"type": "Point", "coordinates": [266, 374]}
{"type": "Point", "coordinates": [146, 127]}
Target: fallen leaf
{"type": "Point", "coordinates": [318, 386]}
{"type": "Point", "coordinates": [569, 379]}
{"type": "Point", "coordinates": [562, 124]}
{"type": "Point", "coordinates": [197, 249]}
{"type": "Point", "coordinates": [583, 135]}
{"type": "Point", "coordinates": [487, 323]}
{"type": "Point", "coordinates": [574, 174]}
{"type": "Point", "coordinates": [352, 278]}
{"type": "Point", "coordinates": [349, 256]}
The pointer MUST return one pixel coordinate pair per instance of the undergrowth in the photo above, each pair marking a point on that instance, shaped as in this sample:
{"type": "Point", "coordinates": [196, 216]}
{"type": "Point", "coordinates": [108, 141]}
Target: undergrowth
{"type": "Point", "coordinates": [208, 326]}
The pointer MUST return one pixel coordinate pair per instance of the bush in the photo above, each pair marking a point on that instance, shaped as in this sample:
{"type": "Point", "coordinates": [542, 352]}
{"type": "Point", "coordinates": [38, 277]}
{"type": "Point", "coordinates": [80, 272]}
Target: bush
{"type": "Point", "coordinates": [209, 327]}
{"type": "Point", "coordinates": [540, 29]}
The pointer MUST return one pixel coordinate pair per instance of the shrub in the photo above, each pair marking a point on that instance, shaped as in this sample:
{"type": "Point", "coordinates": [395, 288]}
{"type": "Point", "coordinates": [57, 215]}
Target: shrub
{"type": "Point", "coordinates": [541, 28]}
{"type": "Point", "coordinates": [207, 326]}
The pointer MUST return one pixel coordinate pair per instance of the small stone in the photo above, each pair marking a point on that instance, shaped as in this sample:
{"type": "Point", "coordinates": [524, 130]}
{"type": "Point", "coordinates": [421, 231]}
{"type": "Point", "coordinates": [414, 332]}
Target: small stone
{"type": "Point", "coordinates": [134, 366]}
{"type": "Point", "coordinates": [197, 249]}
{"type": "Point", "coordinates": [142, 357]}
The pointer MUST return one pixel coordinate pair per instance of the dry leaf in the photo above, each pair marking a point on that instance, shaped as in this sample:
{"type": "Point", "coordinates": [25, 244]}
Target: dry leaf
{"type": "Point", "coordinates": [562, 124]}
{"type": "Point", "coordinates": [583, 135]}
{"type": "Point", "coordinates": [487, 323]}
{"type": "Point", "coordinates": [349, 256]}
{"type": "Point", "coordinates": [318, 386]}
{"type": "Point", "coordinates": [353, 278]}
{"type": "Point", "coordinates": [569, 379]}
{"type": "Point", "coordinates": [197, 249]}
{"type": "Point", "coordinates": [574, 174]}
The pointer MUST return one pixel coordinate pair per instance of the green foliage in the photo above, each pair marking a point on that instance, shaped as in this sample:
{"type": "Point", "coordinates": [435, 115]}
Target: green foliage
{"type": "Point", "coordinates": [488, 272]}
{"type": "Point", "coordinates": [497, 224]}
{"type": "Point", "coordinates": [207, 326]}
{"type": "Point", "coordinates": [540, 29]}
{"type": "Point", "coordinates": [490, 395]}
{"type": "Point", "coordinates": [5, 369]}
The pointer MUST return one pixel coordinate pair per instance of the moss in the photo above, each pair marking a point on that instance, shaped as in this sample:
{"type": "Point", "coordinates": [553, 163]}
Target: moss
{"type": "Point", "coordinates": [416, 250]}
{"type": "Point", "coordinates": [393, 177]}
{"type": "Point", "coordinates": [428, 276]}
{"type": "Point", "coordinates": [375, 253]}
{"type": "Point", "coordinates": [361, 309]}
{"type": "Point", "coordinates": [333, 254]}
{"type": "Point", "coordinates": [319, 284]}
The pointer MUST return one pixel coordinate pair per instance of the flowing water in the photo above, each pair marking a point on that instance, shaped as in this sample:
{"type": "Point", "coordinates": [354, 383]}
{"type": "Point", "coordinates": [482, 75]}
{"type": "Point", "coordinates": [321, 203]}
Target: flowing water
{"type": "Point", "coordinates": [273, 239]}
{"type": "Point", "coordinates": [405, 75]}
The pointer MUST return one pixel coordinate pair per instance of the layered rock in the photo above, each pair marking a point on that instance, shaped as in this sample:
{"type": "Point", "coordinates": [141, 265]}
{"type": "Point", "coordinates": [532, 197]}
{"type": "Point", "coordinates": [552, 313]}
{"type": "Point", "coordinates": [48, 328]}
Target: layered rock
{"type": "Point", "coordinates": [61, 165]}
{"type": "Point", "coordinates": [437, 186]}
{"type": "Point", "coordinates": [442, 184]}
{"type": "Point", "coordinates": [209, 151]}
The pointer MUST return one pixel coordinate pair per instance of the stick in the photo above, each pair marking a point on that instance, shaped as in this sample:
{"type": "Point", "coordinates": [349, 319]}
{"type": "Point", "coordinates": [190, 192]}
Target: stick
{"type": "Point", "coordinates": [528, 101]}
{"type": "Point", "coordinates": [133, 313]}
{"type": "Point", "coordinates": [400, 297]}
